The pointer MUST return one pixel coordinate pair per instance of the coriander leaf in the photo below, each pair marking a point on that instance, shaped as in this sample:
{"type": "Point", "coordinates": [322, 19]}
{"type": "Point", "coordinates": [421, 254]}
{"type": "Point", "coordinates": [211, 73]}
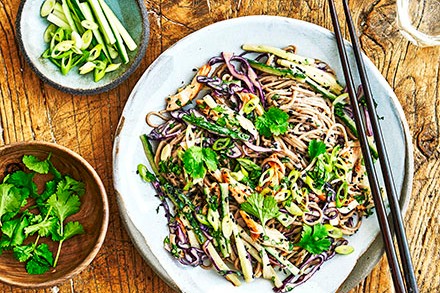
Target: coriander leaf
{"type": "Point", "coordinates": [47, 227]}
{"type": "Point", "coordinates": [262, 207]}
{"type": "Point", "coordinates": [316, 148]}
{"type": "Point", "coordinates": [64, 204]}
{"type": "Point", "coordinates": [37, 266]}
{"type": "Point", "coordinates": [9, 202]}
{"type": "Point", "coordinates": [24, 182]}
{"type": "Point", "coordinates": [273, 122]}
{"type": "Point", "coordinates": [210, 159]}
{"type": "Point", "coordinates": [13, 232]}
{"type": "Point", "coordinates": [262, 127]}
{"type": "Point", "coordinates": [43, 252]}
{"type": "Point", "coordinates": [315, 239]}
{"type": "Point", "coordinates": [193, 162]}
{"type": "Point", "coordinates": [50, 188]}
{"type": "Point", "coordinates": [23, 253]}
{"type": "Point", "coordinates": [35, 164]}
{"type": "Point", "coordinates": [71, 185]}
{"type": "Point", "coordinates": [71, 229]}
{"type": "Point", "coordinates": [41, 260]}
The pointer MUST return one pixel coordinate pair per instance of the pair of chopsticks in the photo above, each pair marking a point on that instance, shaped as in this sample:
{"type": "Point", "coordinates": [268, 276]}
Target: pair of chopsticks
{"type": "Point", "coordinates": [407, 283]}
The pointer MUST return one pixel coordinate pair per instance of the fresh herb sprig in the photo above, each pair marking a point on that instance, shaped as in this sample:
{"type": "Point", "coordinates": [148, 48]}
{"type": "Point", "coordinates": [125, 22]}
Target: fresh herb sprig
{"type": "Point", "coordinates": [262, 207]}
{"type": "Point", "coordinates": [59, 200]}
{"type": "Point", "coordinates": [273, 122]}
{"type": "Point", "coordinates": [314, 240]}
{"type": "Point", "coordinates": [196, 161]}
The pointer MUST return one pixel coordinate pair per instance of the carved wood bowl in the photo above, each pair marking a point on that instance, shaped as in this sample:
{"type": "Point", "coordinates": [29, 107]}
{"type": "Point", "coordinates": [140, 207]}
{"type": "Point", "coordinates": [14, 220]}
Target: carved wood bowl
{"type": "Point", "coordinates": [77, 252]}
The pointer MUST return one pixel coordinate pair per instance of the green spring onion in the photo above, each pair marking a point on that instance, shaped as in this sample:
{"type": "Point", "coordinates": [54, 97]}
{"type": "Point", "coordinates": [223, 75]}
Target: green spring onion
{"type": "Point", "coordinates": [86, 35]}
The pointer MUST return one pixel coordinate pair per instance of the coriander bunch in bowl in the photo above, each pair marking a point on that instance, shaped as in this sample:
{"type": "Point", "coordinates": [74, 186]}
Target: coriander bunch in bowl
{"type": "Point", "coordinates": [27, 209]}
{"type": "Point", "coordinates": [86, 35]}
{"type": "Point", "coordinates": [53, 214]}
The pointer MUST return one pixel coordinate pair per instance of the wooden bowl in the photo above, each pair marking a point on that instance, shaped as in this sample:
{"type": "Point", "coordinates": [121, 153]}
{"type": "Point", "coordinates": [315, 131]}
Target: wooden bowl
{"type": "Point", "coordinates": [78, 251]}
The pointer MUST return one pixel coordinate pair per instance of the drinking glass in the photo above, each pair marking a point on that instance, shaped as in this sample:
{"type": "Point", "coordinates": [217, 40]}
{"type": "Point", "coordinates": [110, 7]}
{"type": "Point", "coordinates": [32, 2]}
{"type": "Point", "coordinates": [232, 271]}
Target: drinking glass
{"type": "Point", "coordinates": [419, 21]}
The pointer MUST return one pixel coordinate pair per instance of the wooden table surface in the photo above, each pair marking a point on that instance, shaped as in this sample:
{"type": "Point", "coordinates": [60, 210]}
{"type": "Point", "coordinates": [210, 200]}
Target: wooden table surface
{"type": "Point", "coordinates": [32, 110]}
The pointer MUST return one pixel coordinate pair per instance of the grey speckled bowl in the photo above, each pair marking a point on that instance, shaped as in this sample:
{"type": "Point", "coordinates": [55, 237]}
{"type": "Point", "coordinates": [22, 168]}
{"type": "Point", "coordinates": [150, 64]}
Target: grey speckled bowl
{"type": "Point", "coordinates": [30, 27]}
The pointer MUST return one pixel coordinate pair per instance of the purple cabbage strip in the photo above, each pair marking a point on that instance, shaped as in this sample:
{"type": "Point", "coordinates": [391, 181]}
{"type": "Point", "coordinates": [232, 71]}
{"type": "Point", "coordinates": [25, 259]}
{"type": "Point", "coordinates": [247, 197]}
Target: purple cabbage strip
{"type": "Point", "coordinates": [242, 76]}
{"type": "Point", "coordinates": [192, 256]}
{"type": "Point", "coordinates": [161, 196]}
{"type": "Point", "coordinates": [219, 87]}
{"type": "Point", "coordinates": [162, 131]}
{"type": "Point", "coordinates": [314, 261]}
{"type": "Point", "coordinates": [248, 75]}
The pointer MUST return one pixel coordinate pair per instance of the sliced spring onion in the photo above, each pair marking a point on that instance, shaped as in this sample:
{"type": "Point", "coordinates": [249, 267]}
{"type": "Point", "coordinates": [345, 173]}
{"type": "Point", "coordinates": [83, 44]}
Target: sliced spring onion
{"type": "Point", "coordinates": [66, 63]}
{"type": "Point", "coordinates": [112, 67]}
{"type": "Point", "coordinates": [344, 249]}
{"type": "Point", "coordinates": [333, 231]}
{"type": "Point", "coordinates": [49, 32]}
{"type": "Point", "coordinates": [95, 52]}
{"type": "Point", "coordinates": [87, 67]}
{"type": "Point", "coordinates": [113, 52]}
{"type": "Point", "coordinates": [98, 74]}
{"type": "Point", "coordinates": [60, 15]}
{"type": "Point", "coordinates": [100, 64]}
{"type": "Point", "coordinates": [77, 40]}
{"type": "Point", "coordinates": [77, 26]}
{"type": "Point", "coordinates": [58, 7]}
{"type": "Point", "coordinates": [57, 21]}
{"type": "Point", "coordinates": [88, 24]}
{"type": "Point", "coordinates": [61, 48]}
{"type": "Point", "coordinates": [87, 38]}
{"type": "Point", "coordinates": [46, 54]}
{"type": "Point", "coordinates": [47, 7]}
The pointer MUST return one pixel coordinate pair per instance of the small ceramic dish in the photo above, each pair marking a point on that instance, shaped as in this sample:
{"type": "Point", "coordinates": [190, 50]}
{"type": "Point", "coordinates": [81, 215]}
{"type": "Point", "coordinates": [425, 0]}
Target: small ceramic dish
{"type": "Point", "coordinates": [77, 252]}
{"type": "Point", "coordinates": [31, 26]}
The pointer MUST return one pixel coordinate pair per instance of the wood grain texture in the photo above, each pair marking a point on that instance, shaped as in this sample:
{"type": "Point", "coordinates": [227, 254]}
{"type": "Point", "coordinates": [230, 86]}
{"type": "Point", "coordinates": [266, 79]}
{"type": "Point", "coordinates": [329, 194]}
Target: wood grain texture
{"type": "Point", "coordinates": [31, 110]}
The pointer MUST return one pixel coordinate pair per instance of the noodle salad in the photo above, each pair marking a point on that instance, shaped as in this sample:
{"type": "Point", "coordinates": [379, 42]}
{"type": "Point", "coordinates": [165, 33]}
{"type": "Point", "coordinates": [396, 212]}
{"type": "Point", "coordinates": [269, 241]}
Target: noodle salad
{"type": "Point", "coordinates": [258, 168]}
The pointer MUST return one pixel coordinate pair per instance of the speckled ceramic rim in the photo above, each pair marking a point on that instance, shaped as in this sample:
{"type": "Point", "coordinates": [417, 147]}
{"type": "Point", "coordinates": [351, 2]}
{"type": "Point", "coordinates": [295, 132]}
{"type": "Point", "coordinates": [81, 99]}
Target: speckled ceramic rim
{"type": "Point", "coordinates": [99, 89]}
{"type": "Point", "coordinates": [105, 212]}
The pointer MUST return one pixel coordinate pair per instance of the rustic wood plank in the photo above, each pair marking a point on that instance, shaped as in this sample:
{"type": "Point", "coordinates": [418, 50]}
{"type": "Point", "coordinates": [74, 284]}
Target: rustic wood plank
{"type": "Point", "coordinates": [32, 110]}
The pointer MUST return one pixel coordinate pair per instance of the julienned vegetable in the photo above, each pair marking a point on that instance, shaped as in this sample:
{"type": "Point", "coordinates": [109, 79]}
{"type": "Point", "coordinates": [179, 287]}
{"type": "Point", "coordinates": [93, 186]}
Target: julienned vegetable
{"type": "Point", "coordinates": [255, 173]}
{"type": "Point", "coordinates": [87, 35]}
{"type": "Point", "coordinates": [46, 218]}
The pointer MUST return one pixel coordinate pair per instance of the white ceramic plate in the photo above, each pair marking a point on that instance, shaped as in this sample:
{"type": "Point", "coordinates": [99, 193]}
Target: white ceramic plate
{"type": "Point", "coordinates": [173, 68]}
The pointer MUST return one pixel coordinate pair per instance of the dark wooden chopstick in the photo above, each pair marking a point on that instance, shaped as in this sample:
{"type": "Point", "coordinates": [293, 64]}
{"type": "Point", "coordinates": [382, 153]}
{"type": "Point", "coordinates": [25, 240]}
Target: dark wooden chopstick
{"type": "Point", "coordinates": [396, 273]}
{"type": "Point", "coordinates": [397, 224]}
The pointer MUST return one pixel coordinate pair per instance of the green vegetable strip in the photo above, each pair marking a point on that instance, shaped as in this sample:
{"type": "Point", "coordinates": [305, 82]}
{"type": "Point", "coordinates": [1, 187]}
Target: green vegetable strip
{"type": "Point", "coordinates": [102, 20]}
{"type": "Point", "coordinates": [148, 149]}
{"type": "Point", "coordinates": [296, 75]}
{"type": "Point", "coordinates": [119, 43]}
{"type": "Point", "coordinates": [278, 52]}
{"type": "Point", "coordinates": [69, 18]}
{"type": "Point", "coordinates": [88, 15]}
{"type": "Point", "coordinates": [131, 45]}
{"type": "Point", "coordinates": [202, 123]}
{"type": "Point", "coordinates": [57, 21]}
